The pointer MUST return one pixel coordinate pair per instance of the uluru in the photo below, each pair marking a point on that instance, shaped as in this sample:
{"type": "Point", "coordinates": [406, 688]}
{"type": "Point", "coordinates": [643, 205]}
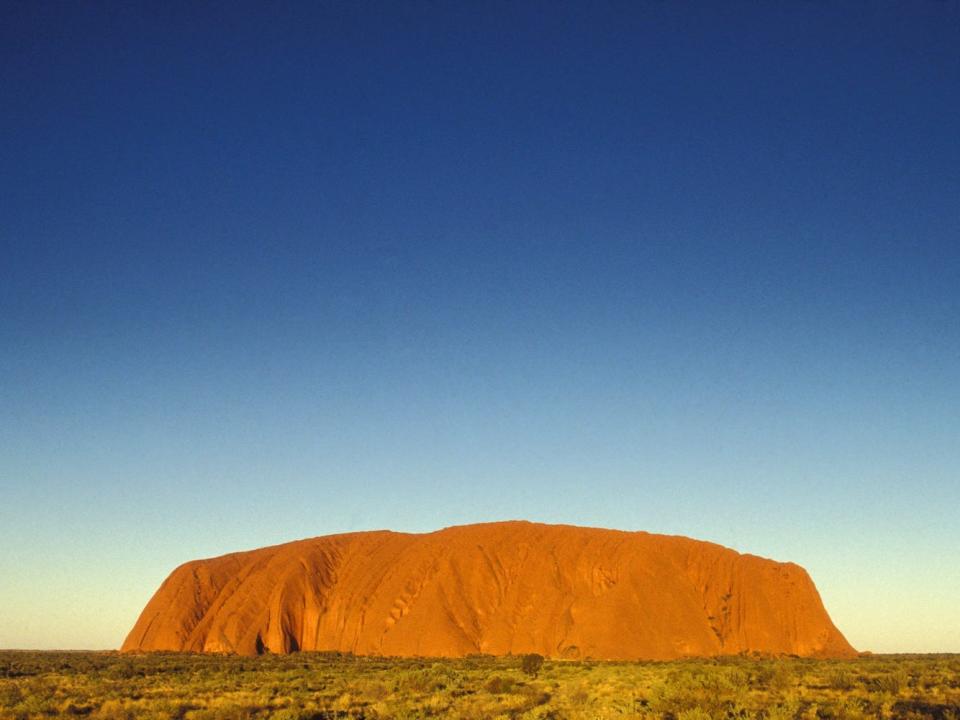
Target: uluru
{"type": "Point", "coordinates": [494, 588]}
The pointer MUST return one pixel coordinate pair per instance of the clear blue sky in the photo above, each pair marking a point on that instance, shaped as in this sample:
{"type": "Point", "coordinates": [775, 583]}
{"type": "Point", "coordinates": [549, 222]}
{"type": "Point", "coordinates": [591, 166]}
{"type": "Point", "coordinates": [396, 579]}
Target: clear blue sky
{"type": "Point", "coordinates": [277, 271]}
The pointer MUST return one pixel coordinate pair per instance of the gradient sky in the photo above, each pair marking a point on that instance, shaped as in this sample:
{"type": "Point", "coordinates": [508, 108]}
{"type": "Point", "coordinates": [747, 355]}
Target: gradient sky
{"type": "Point", "coordinates": [282, 270]}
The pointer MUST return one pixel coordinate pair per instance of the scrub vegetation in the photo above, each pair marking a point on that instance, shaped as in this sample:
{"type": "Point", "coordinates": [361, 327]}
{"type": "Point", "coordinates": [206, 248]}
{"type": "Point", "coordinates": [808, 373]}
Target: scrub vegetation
{"type": "Point", "coordinates": [320, 686]}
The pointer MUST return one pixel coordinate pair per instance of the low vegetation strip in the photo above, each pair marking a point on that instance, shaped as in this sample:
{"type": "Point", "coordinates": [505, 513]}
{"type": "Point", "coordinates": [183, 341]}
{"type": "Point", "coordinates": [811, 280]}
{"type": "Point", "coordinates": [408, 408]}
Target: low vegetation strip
{"type": "Point", "coordinates": [319, 686]}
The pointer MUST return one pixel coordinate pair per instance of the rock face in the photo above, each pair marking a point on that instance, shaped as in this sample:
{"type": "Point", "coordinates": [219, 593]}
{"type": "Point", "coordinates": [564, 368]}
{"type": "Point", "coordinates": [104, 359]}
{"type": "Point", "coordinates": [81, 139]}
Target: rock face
{"type": "Point", "coordinates": [498, 588]}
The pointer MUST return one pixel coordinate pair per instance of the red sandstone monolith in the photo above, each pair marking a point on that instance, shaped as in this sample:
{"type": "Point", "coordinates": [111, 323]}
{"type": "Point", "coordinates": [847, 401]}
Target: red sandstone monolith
{"type": "Point", "coordinates": [498, 588]}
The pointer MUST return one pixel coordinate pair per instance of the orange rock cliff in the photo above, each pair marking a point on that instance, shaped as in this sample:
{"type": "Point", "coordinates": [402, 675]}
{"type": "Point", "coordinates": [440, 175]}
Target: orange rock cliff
{"type": "Point", "coordinates": [498, 588]}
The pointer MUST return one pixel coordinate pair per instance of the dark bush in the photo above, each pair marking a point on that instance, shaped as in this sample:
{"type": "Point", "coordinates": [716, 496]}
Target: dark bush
{"type": "Point", "coordinates": [531, 664]}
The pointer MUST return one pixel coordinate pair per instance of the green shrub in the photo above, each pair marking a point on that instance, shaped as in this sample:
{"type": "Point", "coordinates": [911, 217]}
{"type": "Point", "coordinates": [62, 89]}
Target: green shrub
{"type": "Point", "coordinates": [695, 713]}
{"type": "Point", "coordinates": [498, 685]}
{"type": "Point", "coordinates": [840, 679]}
{"type": "Point", "coordinates": [783, 711]}
{"type": "Point", "coordinates": [114, 710]}
{"type": "Point", "coordinates": [775, 676]}
{"type": "Point", "coordinates": [531, 664]}
{"type": "Point", "coordinates": [893, 681]}
{"type": "Point", "coordinates": [10, 694]}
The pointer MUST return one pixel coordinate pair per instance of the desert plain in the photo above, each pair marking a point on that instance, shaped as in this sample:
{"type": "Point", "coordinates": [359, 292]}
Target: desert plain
{"type": "Point", "coordinates": [322, 686]}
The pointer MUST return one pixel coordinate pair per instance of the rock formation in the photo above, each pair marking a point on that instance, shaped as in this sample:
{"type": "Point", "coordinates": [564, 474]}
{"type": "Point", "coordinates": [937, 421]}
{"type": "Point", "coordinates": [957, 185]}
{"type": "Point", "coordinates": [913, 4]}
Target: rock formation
{"type": "Point", "coordinates": [498, 588]}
